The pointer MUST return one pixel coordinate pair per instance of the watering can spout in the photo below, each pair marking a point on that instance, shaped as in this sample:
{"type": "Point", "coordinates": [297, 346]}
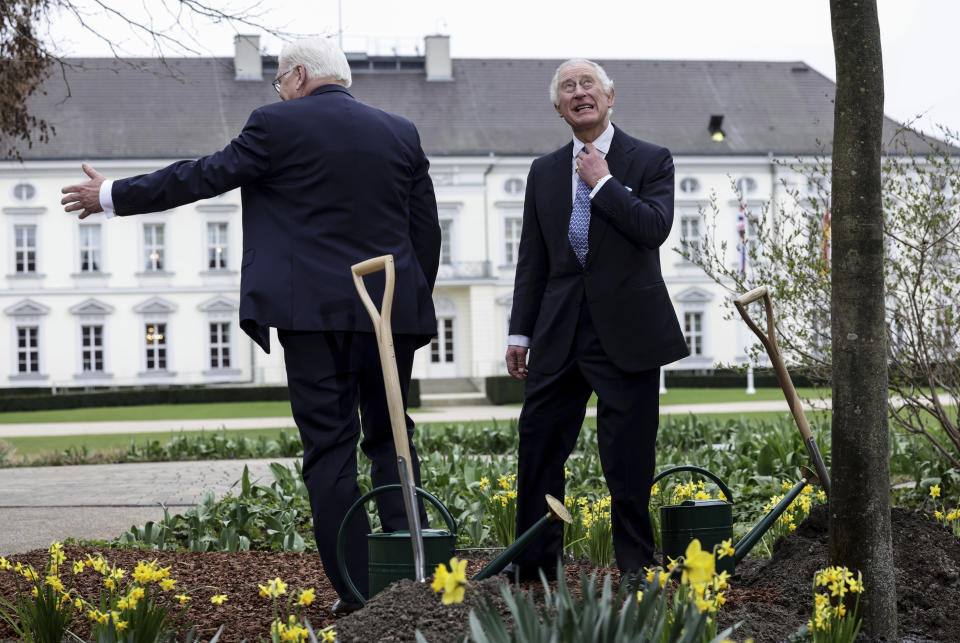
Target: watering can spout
{"type": "Point", "coordinates": [742, 548]}
{"type": "Point", "coordinates": [555, 511]}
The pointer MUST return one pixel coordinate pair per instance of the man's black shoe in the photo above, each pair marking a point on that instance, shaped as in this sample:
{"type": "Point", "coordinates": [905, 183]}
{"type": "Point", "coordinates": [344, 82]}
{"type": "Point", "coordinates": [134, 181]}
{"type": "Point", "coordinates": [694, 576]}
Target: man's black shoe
{"type": "Point", "coordinates": [634, 581]}
{"type": "Point", "coordinates": [517, 574]}
{"type": "Point", "coordinates": [342, 607]}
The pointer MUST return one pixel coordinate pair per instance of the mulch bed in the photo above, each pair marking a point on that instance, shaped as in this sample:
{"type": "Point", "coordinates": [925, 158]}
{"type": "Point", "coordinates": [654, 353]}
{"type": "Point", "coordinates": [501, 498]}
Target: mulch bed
{"type": "Point", "coordinates": [771, 597]}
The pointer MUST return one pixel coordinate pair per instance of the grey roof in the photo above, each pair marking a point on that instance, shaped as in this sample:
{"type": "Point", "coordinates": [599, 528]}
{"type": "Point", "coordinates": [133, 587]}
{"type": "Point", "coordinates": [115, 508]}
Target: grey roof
{"type": "Point", "coordinates": [184, 108]}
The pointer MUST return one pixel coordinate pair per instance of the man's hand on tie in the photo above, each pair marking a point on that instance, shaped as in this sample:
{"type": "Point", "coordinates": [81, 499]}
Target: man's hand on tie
{"type": "Point", "coordinates": [591, 166]}
{"type": "Point", "coordinates": [517, 361]}
{"type": "Point", "coordinates": [84, 196]}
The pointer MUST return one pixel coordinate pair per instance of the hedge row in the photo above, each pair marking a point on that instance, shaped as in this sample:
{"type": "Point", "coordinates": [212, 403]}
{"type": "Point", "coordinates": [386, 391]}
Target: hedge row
{"type": "Point", "coordinates": [503, 389]}
{"type": "Point", "coordinates": [36, 401]}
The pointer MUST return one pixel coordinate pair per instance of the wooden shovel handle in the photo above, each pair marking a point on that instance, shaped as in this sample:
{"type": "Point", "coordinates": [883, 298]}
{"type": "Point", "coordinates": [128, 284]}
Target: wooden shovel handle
{"type": "Point", "coordinates": [769, 341]}
{"type": "Point", "coordinates": [381, 318]}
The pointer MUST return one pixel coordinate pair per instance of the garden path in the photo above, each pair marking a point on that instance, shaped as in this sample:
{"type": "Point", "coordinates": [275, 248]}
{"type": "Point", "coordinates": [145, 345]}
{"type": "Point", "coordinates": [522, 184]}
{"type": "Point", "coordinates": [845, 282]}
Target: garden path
{"type": "Point", "coordinates": [42, 504]}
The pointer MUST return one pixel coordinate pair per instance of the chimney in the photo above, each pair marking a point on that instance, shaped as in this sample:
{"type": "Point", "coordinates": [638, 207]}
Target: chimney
{"type": "Point", "coordinates": [438, 64]}
{"type": "Point", "coordinates": [246, 58]}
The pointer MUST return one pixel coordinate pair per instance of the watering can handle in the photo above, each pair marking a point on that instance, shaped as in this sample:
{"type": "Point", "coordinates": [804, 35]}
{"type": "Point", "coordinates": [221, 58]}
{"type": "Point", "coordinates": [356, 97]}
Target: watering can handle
{"type": "Point", "coordinates": [689, 467]}
{"type": "Point", "coordinates": [342, 533]}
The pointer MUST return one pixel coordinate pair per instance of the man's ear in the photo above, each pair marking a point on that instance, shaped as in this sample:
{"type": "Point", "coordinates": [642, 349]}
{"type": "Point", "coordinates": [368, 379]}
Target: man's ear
{"type": "Point", "coordinates": [559, 113]}
{"type": "Point", "coordinates": [610, 97]}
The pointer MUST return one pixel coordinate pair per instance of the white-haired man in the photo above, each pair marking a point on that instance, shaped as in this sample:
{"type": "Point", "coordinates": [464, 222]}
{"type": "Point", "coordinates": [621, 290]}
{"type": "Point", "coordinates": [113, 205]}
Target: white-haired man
{"type": "Point", "coordinates": [326, 181]}
{"type": "Point", "coordinates": [590, 305]}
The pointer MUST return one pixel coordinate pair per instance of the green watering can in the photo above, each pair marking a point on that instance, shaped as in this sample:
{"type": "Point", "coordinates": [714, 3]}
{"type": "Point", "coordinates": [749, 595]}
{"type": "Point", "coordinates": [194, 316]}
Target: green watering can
{"type": "Point", "coordinates": [390, 554]}
{"type": "Point", "coordinates": [711, 521]}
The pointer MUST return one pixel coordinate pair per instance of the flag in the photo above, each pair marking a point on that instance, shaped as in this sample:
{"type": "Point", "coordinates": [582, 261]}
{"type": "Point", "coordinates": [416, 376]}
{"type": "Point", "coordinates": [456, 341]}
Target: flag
{"type": "Point", "coordinates": [742, 235]}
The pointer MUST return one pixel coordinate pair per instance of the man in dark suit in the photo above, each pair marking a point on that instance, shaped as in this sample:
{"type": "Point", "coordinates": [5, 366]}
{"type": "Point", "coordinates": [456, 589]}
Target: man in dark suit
{"type": "Point", "coordinates": [590, 304]}
{"type": "Point", "coordinates": [326, 181]}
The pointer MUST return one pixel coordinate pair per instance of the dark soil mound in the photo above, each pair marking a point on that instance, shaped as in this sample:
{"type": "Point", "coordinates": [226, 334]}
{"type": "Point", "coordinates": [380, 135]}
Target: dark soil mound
{"type": "Point", "coordinates": [774, 598]}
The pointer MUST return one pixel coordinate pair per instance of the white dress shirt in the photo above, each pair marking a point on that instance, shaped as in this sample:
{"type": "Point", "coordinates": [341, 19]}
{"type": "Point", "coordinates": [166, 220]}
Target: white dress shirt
{"type": "Point", "coordinates": [106, 198]}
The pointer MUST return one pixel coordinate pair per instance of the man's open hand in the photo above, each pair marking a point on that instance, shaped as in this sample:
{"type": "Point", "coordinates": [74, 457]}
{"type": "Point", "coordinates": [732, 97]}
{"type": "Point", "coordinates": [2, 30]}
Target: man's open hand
{"type": "Point", "coordinates": [517, 361]}
{"type": "Point", "coordinates": [84, 196]}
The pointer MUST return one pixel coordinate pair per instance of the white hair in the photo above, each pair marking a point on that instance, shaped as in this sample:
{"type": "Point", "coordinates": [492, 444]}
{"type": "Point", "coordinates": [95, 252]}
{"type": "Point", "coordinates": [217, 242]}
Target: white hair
{"type": "Point", "coordinates": [605, 81]}
{"type": "Point", "coordinates": [319, 56]}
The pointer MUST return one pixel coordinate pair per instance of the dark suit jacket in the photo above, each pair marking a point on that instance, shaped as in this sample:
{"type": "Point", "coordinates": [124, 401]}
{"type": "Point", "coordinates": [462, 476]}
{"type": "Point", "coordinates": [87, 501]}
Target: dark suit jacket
{"type": "Point", "coordinates": [326, 181]}
{"type": "Point", "coordinates": [621, 282]}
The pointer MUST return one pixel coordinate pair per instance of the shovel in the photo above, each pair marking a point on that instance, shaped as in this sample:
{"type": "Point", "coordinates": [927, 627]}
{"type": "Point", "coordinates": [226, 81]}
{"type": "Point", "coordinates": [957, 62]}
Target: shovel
{"type": "Point", "coordinates": [391, 382]}
{"type": "Point", "coordinates": [769, 341]}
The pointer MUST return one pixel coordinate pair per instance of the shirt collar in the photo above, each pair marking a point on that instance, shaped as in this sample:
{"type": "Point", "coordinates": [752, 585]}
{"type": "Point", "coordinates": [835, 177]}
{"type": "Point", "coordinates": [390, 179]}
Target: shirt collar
{"type": "Point", "coordinates": [602, 143]}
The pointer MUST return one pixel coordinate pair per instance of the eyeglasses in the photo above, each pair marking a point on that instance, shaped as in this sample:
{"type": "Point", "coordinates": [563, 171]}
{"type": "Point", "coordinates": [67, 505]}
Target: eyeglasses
{"type": "Point", "coordinates": [276, 81]}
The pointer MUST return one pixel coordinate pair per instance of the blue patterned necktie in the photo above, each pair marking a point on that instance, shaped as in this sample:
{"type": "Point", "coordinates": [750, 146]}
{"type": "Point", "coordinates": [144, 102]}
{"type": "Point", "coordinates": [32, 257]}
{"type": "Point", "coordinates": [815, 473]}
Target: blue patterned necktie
{"type": "Point", "coordinates": [580, 221]}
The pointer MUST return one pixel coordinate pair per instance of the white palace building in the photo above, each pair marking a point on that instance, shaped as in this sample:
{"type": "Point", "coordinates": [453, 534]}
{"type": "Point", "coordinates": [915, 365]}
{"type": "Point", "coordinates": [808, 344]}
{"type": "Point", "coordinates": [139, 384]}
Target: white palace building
{"type": "Point", "coordinates": [153, 299]}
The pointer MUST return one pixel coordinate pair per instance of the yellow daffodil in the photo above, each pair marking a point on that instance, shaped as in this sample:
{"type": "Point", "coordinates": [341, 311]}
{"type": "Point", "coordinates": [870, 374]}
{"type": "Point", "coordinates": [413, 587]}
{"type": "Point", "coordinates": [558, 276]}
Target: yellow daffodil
{"type": "Point", "coordinates": [166, 584]}
{"type": "Point", "coordinates": [484, 483]}
{"type": "Point", "coordinates": [35, 592]}
{"type": "Point", "coordinates": [855, 584]}
{"type": "Point", "coordinates": [5, 564]}
{"type": "Point", "coordinates": [120, 625]}
{"type": "Point", "coordinates": [725, 548]}
{"type": "Point", "coordinates": [451, 582]}
{"type": "Point", "coordinates": [109, 583]}
{"type": "Point", "coordinates": [183, 598]}
{"type": "Point", "coordinates": [218, 599]}
{"type": "Point", "coordinates": [273, 589]}
{"type": "Point", "coordinates": [328, 636]}
{"type": "Point", "coordinates": [698, 565]}
{"type": "Point", "coordinates": [137, 593]}
{"type": "Point", "coordinates": [77, 567]}
{"type": "Point", "coordinates": [935, 491]}
{"type": "Point", "coordinates": [54, 582]}
{"type": "Point", "coordinates": [439, 578]}
{"type": "Point", "coordinates": [122, 604]}
{"type": "Point", "coordinates": [306, 597]}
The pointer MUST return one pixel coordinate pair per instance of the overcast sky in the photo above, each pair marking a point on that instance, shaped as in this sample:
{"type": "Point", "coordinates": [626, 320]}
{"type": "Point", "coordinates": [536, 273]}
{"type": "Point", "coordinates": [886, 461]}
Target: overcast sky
{"type": "Point", "coordinates": [919, 36]}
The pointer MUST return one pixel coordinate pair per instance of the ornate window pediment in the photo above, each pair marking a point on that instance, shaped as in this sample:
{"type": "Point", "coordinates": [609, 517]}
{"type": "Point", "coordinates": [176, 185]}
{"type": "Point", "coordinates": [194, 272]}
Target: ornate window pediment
{"type": "Point", "coordinates": [155, 306]}
{"type": "Point", "coordinates": [26, 308]}
{"type": "Point", "coordinates": [219, 304]}
{"type": "Point", "coordinates": [91, 307]}
{"type": "Point", "coordinates": [693, 295]}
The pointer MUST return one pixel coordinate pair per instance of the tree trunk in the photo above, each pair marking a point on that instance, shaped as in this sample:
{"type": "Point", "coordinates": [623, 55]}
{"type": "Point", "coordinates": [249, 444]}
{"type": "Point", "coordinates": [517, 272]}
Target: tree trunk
{"type": "Point", "coordinates": [860, 467]}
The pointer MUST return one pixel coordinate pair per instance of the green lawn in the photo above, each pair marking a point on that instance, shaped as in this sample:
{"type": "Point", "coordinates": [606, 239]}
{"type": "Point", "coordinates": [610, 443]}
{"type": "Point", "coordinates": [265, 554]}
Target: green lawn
{"type": "Point", "coordinates": [152, 412]}
{"type": "Point", "coordinates": [46, 444]}
{"type": "Point", "coordinates": [713, 395]}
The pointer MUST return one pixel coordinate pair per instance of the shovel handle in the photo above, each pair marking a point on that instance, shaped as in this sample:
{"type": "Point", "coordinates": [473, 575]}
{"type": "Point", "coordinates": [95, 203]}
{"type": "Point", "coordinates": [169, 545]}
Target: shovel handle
{"type": "Point", "coordinates": [769, 341]}
{"type": "Point", "coordinates": [381, 318]}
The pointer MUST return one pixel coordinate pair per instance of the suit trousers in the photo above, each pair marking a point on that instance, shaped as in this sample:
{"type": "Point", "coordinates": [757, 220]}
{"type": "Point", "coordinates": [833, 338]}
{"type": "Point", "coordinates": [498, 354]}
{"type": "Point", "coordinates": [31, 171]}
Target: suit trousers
{"type": "Point", "coordinates": [330, 376]}
{"type": "Point", "coordinates": [627, 421]}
